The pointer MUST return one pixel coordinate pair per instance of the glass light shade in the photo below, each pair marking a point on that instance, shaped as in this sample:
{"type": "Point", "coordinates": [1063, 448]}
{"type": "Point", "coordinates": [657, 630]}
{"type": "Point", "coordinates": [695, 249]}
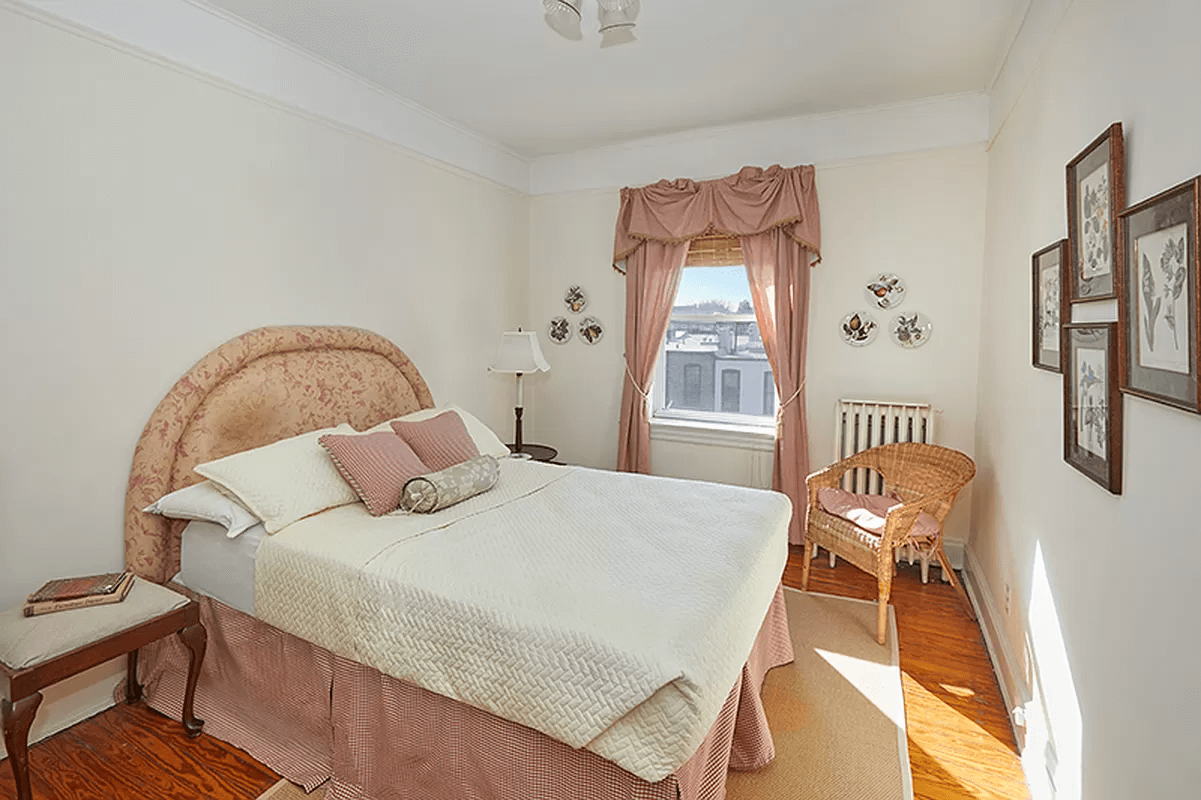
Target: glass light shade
{"type": "Point", "coordinates": [519, 352]}
{"type": "Point", "coordinates": [615, 5]}
{"type": "Point", "coordinates": [555, 7]}
{"type": "Point", "coordinates": [616, 18]}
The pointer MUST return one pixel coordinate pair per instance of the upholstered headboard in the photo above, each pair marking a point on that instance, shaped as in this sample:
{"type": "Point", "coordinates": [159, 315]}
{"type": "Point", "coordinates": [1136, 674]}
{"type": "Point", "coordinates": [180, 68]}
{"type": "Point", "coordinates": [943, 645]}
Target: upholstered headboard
{"type": "Point", "coordinates": [263, 386]}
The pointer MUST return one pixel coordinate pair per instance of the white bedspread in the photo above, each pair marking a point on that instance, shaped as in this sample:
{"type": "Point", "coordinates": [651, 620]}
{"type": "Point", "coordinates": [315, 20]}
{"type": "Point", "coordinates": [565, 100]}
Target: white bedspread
{"type": "Point", "coordinates": [607, 610]}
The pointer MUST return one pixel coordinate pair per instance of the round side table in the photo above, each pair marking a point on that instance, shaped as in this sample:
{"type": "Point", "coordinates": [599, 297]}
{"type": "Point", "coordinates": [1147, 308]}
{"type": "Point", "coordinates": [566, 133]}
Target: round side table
{"type": "Point", "coordinates": [536, 452]}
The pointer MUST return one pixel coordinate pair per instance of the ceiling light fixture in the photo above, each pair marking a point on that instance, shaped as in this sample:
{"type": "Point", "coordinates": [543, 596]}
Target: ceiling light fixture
{"type": "Point", "coordinates": [615, 17]}
{"type": "Point", "coordinates": [563, 17]}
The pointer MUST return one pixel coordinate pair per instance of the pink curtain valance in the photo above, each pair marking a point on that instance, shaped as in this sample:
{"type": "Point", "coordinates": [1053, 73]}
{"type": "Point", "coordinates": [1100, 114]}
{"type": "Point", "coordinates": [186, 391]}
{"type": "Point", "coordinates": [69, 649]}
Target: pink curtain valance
{"type": "Point", "coordinates": [752, 201]}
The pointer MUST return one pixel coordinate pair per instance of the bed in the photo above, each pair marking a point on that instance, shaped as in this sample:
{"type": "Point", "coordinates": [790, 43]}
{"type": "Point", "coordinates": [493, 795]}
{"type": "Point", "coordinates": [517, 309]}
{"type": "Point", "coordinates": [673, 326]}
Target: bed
{"type": "Point", "coordinates": [284, 682]}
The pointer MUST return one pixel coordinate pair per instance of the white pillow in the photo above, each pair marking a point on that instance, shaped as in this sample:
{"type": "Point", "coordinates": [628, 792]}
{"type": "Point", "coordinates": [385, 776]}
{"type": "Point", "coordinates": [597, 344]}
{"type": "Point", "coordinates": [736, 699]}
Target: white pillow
{"type": "Point", "coordinates": [204, 502]}
{"type": "Point", "coordinates": [487, 442]}
{"type": "Point", "coordinates": [284, 481]}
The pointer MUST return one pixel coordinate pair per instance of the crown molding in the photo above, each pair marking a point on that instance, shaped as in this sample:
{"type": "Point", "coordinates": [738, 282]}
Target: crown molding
{"type": "Point", "coordinates": [196, 36]}
{"type": "Point", "coordinates": [933, 124]}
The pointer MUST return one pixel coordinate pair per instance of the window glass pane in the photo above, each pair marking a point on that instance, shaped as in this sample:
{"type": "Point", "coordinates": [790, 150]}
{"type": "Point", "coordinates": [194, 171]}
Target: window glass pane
{"type": "Point", "coordinates": [731, 389]}
{"type": "Point", "coordinates": [692, 385]}
{"type": "Point", "coordinates": [713, 352]}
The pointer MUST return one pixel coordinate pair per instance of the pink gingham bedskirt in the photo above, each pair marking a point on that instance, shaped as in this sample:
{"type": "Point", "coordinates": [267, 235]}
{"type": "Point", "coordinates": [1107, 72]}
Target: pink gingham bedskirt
{"type": "Point", "coordinates": [314, 717]}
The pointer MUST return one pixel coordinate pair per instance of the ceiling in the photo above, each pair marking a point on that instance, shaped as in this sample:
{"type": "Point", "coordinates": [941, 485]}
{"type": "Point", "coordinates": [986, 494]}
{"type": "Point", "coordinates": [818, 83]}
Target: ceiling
{"type": "Point", "coordinates": [495, 68]}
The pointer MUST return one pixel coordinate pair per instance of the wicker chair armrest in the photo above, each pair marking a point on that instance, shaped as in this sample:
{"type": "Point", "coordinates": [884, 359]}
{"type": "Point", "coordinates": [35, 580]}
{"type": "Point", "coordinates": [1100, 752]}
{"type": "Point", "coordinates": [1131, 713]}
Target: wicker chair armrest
{"type": "Point", "coordinates": [831, 476]}
{"type": "Point", "coordinates": [826, 478]}
{"type": "Point", "coordinates": [903, 516]}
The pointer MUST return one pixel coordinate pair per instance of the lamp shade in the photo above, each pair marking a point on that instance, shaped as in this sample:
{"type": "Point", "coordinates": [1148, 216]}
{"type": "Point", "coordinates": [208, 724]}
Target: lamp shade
{"type": "Point", "coordinates": [519, 352]}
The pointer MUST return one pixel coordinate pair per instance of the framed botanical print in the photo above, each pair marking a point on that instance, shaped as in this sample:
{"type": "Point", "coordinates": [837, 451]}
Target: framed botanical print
{"type": "Point", "coordinates": [1092, 403]}
{"type": "Point", "coordinates": [1096, 195]}
{"type": "Point", "coordinates": [1158, 311]}
{"type": "Point", "coordinates": [1050, 303]}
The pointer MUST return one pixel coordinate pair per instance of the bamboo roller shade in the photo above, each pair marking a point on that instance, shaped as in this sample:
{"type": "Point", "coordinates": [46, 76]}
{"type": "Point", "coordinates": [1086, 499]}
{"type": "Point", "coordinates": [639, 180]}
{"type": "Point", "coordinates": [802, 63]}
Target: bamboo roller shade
{"type": "Point", "coordinates": [714, 251]}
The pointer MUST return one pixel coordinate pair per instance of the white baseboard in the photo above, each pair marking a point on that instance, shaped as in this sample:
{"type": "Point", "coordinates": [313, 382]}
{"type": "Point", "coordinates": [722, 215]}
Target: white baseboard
{"type": "Point", "coordinates": [1010, 676]}
{"type": "Point", "coordinates": [74, 700]}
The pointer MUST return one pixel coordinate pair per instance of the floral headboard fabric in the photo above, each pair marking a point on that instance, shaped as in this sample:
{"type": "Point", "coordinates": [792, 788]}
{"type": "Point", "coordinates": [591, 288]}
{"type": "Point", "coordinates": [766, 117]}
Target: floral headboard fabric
{"type": "Point", "coordinates": [265, 385]}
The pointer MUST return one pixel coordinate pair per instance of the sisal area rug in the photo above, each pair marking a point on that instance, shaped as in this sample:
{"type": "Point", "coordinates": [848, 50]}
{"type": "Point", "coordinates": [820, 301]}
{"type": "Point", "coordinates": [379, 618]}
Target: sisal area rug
{"type": "Point", "coordinates": [837, 713]}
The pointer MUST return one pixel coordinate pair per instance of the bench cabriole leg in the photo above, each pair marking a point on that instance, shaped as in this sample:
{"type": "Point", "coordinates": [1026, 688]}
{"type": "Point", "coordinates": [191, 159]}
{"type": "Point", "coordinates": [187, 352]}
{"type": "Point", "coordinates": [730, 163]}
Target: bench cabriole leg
{"type": "Point", "coordinates": [196, 639]}
{"type": "Point", "coordinates": [133, 689]}
{"type": "Point", "coordinates": [17, 717]}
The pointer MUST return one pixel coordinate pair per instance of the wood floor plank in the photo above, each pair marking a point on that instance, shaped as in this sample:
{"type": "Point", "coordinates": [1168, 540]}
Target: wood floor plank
{"type": "Point", "coordinates": [961, 744]}
{"type": "Point", "coordinates": [133, 751]}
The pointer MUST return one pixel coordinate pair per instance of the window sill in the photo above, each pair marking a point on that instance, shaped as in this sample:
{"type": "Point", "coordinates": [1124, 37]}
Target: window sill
{"type": "Point", "coordinates": [719, 434]}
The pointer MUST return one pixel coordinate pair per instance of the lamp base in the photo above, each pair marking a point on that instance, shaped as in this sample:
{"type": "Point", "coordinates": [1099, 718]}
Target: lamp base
{"type": "Point", "coordinates": [517, 410]}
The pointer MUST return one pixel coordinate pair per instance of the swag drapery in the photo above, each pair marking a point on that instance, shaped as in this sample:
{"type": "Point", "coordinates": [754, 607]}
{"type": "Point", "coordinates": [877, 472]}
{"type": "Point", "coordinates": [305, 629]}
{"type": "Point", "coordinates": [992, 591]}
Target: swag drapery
{"type": "Point", "coordinates": [774, 213]}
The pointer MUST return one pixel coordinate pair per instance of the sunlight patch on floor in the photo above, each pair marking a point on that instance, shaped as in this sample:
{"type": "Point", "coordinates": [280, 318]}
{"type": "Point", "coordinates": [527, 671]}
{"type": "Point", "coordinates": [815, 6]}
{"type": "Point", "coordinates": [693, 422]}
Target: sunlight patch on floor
{"type": "Point", "coordinates": [870, 678]}
{"type": "Point", "coordinates": [938, 723]}
{"type": "Point", "coordinates": [958, 691]}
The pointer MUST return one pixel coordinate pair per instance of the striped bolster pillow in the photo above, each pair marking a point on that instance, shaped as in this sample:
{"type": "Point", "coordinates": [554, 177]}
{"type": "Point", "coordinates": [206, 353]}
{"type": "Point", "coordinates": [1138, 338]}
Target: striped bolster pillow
{"type": "Point", "coordinates": [376, 466]}
{"type": "Point", "coordinates": [440, 441]}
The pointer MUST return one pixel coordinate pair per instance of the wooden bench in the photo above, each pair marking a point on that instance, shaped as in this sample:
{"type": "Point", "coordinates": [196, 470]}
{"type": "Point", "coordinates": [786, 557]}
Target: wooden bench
{"type": "Point", "coordinates": [36, 652]}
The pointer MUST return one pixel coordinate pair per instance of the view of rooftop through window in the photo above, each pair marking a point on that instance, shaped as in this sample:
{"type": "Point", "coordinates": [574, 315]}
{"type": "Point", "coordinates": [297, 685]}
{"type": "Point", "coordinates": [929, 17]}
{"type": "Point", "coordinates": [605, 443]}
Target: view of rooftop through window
{"type": "Point", "coordinates": [714, 359]}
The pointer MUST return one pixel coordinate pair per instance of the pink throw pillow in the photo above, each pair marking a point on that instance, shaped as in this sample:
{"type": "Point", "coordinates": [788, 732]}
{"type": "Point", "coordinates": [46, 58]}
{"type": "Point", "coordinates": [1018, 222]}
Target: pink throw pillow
{"type": "Point", "coordinates": [376, 465]}
{"type": "Point", "coordinates": [440, 441]}
{"type": "Point", "coordinates": [868, 511]}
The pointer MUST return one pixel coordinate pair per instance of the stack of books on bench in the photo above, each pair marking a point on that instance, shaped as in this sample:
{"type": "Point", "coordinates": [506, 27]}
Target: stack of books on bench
{"type": "Point", "coordinates": [63, 594]}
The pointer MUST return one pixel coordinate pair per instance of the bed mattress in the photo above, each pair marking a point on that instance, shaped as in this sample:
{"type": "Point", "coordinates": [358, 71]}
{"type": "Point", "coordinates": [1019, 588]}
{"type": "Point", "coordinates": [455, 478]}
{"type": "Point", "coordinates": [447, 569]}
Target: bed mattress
{"type": "Point", "coordinates": [610, 611]}
{"type": "Point", "coordinates": [216, 566]}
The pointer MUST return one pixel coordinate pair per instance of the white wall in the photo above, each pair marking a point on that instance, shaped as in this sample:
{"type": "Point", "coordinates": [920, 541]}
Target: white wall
{"type": "Point", "coordinates": [1101, 625]}
{"type": "Point", "coordinates": [919, 215]}
{"type": "Point", "coordinates": [146, 216]}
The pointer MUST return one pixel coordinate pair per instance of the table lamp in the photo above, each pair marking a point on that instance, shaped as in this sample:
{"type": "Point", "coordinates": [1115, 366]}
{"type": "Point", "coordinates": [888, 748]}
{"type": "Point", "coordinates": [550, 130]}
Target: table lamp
{"type": "Point", "coordinates": [518, 354]}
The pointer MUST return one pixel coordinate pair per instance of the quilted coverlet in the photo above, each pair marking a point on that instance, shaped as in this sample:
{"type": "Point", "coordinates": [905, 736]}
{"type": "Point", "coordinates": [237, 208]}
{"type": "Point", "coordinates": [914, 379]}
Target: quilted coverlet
{"type": "Point", "coordinates": [610, 611]}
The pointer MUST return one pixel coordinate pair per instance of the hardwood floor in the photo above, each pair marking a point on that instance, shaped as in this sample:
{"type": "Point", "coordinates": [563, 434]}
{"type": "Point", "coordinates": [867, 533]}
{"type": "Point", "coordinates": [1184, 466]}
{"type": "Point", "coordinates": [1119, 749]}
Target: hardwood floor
{"type": "Point", "coordinates": [960, 741]}
{"type": "Point", "coordinates": [131, 751]}
{"type": "Point", "coordinates": [961, 744]}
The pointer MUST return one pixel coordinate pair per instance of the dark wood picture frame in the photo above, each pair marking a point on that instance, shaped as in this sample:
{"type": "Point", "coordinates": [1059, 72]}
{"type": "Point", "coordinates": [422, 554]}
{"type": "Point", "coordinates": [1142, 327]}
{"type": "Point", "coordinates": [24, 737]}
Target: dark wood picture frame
{"type": "Point", "coordinates": [1047, 313]}
{"type": "Point", "coordinates": [1096, 195]}
{"type": "Point", "coordinates": [1163, 280]}
{"type": "Point", "coordinates": [1092, 401]}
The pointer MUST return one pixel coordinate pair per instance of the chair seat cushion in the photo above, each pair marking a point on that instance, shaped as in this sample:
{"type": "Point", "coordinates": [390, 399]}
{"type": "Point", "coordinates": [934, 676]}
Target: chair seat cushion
{"type": "Point", "coordinates": [26, 641]}
{"type": "Point", "coordinates": [868, 511]}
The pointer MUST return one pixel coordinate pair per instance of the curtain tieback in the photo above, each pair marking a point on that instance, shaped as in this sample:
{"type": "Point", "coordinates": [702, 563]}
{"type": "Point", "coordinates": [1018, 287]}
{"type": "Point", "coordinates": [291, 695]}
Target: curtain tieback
{"type": "Point", "coordinates": [784, 405]}
{"type": "Point", "coordinates": [634, 382]}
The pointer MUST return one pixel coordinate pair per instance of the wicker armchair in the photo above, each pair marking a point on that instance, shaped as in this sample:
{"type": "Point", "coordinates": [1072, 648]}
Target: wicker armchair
{"type": "Point", "coordinates": [926, 477]}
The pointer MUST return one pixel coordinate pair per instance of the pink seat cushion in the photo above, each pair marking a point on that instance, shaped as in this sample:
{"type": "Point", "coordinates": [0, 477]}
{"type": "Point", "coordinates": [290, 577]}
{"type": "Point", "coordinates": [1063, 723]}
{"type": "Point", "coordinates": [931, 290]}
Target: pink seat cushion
{"type": "Point", "coordinates": [376, 465]}
{"type": "Point", "coordinates": [868, 511]}
{"type": "Point", "coordinates": [440, 441]}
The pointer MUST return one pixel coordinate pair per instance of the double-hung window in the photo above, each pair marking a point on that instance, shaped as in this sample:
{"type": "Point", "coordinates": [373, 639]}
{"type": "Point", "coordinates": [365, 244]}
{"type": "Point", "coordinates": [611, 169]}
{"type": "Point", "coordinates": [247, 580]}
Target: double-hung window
{"type": "Point", "coordinates": [713, 370]}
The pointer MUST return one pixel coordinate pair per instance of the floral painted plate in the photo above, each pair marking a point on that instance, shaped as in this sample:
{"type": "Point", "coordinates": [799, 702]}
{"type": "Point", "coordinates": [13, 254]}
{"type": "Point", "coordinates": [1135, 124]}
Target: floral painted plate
{"type": "Point", "coordinates": [885, 290]}
{"type": "Point", "coordinates": [591, 330]}
{"type": "Point", "coordinates": [858, 328]}
{"type": "Point", "coordinates": [911, 330]}
{"type": "Point", "coordinates": [559, 330]}
{"type": "Point", "coordinates": [575, 299]}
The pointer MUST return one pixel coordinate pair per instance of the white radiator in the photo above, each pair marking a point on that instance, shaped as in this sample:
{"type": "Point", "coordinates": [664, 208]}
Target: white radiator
{"type": "Point", "coordinates": [862, 424]}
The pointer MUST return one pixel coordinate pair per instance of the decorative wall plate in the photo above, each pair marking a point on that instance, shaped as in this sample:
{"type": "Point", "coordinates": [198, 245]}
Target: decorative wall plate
{"type": "Point", "coordinates": [559, 330]}
{"type": "Point", "coordinates": [858, 328]}
{"type": "Point", "coordinates": [575, 299]}
{"type": "Point", "coordinates": [591, 330]}
{"type": "Point", "coordinates": [911, 330]}
{"type": "Point", "coordinates": [885, 290]}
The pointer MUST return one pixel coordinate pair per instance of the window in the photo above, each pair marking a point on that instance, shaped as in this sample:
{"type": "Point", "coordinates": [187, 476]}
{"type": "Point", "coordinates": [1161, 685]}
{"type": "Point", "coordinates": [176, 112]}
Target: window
{"type": "Point", "coordinates": [731, 390]}
{"type": "Point", "coordinates": [713, 367]}
{"type": "Point", "coordinates": [692, 386]}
